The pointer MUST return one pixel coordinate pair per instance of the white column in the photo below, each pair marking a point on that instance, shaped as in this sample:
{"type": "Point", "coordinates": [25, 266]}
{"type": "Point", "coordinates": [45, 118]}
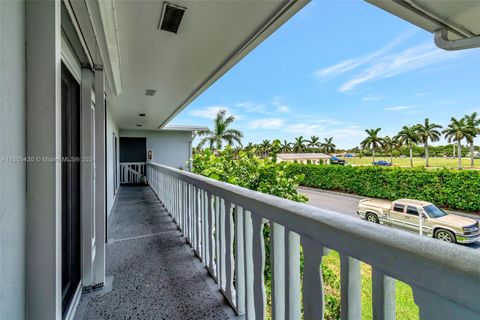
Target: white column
{"type": "Point", "coordinates": [239, 261]}
{"type": "Point", "coordinates": [44, 185]}
{"type": "Point", "coordinates": [277, 262]}
{"type": "Point", "coordinates": [87, 177]}
{"type": "Point", "coordinates": [383, 296]}
{"type": "Point", "coordinates": [100, 179]}
{"type": "Point", "coordinates": [350, 284]}
{"type": "Point", "coordinates": [258, 245]}
{"type": "Point", "coordinates": [292, 275]}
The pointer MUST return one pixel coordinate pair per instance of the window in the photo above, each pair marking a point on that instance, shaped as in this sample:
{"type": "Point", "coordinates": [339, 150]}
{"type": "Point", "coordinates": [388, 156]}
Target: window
{"type": "Point", "coordinates": [398, 207]}
{"type": "Point", "coordinates": [434, 212]}
{"type": "Point", "coordinates": [412, 210]}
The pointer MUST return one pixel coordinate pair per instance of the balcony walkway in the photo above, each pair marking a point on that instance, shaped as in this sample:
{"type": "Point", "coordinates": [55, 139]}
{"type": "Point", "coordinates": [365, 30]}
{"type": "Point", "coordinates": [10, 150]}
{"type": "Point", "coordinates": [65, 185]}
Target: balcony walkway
{"type": "Point", "coordinates": [155, 273]}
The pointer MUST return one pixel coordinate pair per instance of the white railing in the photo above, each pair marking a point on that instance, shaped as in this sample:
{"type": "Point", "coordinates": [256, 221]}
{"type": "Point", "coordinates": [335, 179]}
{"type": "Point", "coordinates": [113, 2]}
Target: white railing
{"type": "Point", "coordinates": [215, 216]}
{"type": "Point", "coordinates": [132, 172]}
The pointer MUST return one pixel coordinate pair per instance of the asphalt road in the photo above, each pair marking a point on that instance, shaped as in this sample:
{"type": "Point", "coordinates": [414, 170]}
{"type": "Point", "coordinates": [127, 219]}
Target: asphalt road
{"type": "Point", "coordinates": [344, 204]}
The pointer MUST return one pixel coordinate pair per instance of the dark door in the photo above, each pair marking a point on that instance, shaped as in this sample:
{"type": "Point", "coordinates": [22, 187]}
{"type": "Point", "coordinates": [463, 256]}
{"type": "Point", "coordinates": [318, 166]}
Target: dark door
{"type": "Point", "coordinates": [133, 156]}
{"type": "Point", "coordinates": [70, 187]}
{"type": "Point", "coordinates": [133, 149]}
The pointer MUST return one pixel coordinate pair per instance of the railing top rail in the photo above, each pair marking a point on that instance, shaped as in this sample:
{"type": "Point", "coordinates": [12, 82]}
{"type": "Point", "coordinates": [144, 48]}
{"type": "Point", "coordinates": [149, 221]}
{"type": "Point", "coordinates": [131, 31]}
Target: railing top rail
{"type": "Point", "coordinates": [127, 163]}
{"type": "Point", "coordinates": [449, 270]}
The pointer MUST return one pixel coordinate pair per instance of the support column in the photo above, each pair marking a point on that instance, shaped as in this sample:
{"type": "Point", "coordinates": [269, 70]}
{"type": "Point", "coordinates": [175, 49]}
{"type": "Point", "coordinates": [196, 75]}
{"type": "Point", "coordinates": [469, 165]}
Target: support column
{"type": "Point", "coordinates": [87, 153]}
{"type": "Point", "coordinates": [43, 292]}
{"type": "Point", "coordinates": [100, 178]}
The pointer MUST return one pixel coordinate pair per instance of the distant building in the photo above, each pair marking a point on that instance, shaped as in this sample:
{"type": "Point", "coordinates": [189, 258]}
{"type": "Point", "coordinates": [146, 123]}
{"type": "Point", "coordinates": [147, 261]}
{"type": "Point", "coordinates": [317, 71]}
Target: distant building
{"type": "Point", "coordinates": [313, 158]}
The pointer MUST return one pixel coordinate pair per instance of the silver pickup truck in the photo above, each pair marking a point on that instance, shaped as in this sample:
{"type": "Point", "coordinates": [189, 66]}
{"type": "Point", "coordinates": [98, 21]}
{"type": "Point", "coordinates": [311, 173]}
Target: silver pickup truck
{"type": "Point", "coordinates": [409, 215]}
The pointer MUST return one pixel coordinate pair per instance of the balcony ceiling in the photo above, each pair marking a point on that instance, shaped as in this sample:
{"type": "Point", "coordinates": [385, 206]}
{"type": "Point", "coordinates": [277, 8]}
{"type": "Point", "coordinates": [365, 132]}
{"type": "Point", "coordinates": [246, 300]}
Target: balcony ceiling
{"type": "Point", "coordinates": [213, 36]}
{"type": "Point", "coordinates": [460, 16]}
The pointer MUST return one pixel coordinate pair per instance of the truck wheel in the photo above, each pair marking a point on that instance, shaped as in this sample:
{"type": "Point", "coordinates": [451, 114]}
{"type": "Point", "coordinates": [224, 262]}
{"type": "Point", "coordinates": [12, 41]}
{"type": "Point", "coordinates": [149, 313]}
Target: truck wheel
{"type": "Point", "coordinates": [371, 217]}
{"type": "Point", "coordinates": [445, 235]}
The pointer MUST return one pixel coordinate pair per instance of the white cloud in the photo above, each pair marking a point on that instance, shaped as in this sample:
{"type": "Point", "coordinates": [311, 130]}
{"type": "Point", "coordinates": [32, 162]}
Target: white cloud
{"type": "Point", "coordinates": [251, 107]}
{"type": "Point", "coordinates": [211, 112]}
{"type": "Point", "coordinates": [419, 94]}
{"type": "Point", "coordinates": [304, 129]}
{"type": "Point", "coordinates": [267, 123]}
{"type": "Point", "coordinates": [282, 108]}
{"type": "Point", "coordinates": [350, 64]}
{"type": "Point", "coordinates": [339, 133]}
{"type": "Point", "coordinates": [279, 105]}
{"type": "Point", "coordinates": [398, 108]}
{"type": "Point", "coordinates": [391, 65]}
{"type": "Point", "coordinates": [371, 98]}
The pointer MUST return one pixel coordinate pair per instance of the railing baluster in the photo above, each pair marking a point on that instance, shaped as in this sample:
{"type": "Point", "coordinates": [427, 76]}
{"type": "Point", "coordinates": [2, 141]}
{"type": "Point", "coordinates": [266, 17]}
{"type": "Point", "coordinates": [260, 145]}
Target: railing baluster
{"type": "Point", "coordinates": [248, 254]}
{"type": "Point", "coordinates": [221, 234]}
{"type": "Point", "coordinates": [277, 262]}
{"type": "Point", "coordinates": [217, 239]}
{"type": "Point", "coordinates": [239, 261]}
{"type": "Point", "coordinates": [211, 239]}
{"type": "Point", "coordinates": [351, 290]}
{"type": "Point", "coordinates": [383, 296]}
{"type": "Point", "coordinates": [198, 211]}
{"type": "Point", "coordinates": [205, 237]}
{"type": "Point", "coordinates": [292, 274]}
{"type": "Point", "coordinates": [433, 306]}
{"type": "Point", "coordinates": [313, 291]}
{"type": "Point", "coordinates": [258, 266]}
{"type": "Point", "coordinates": [228, 251]}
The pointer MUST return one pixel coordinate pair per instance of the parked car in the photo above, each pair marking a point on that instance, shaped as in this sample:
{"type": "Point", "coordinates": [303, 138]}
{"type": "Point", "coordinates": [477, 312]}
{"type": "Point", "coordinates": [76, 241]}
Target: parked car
{"type": "Point", "coordinates": [420, 217]}
{"type": "Point", "coordinates": [335, 160]}
{"type": "Point", "coordinates": [382, 163]}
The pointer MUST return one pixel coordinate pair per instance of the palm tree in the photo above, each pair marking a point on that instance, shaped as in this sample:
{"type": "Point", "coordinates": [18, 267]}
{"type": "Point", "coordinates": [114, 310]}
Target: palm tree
{"type": "Point", "coordinates": [428, 131]}
{"type": "Point", "coordinates": [409, 136]}
{"type": "Point", "coordinates": [249, 146]}
{"type": "Point", "coordinates": [456, 131]}
{"type": "Point", "coordinates": [372, 142]}
{"type": "Point", "coordinates": [314, 142]}
{"type": "Point", "coordinates": [221, 132]}
{"type": "Point", "coordinates": [265, 147]}
{"type": "Point", "coordinates": [327, 145]}
{"type": "Point", "coordinates": [473, 122]}
{"type": "Point", "coordinates": [390, 144]}
{"type": "Point", "coordinates": [286, 147]}
{"type": "Point", "coordinates": [299, 144]}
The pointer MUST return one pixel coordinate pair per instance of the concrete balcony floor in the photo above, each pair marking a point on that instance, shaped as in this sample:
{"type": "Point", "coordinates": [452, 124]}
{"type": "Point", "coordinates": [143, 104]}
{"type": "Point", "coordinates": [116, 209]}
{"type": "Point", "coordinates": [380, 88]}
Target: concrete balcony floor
{"type": "Point", "coordinates": [155, 273]}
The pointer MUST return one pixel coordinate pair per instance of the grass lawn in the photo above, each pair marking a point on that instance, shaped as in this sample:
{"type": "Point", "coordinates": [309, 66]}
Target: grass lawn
{"type": "Point", "coordinates": [417, 162]}
{"type": "Point", "coordinates": [406, 307]}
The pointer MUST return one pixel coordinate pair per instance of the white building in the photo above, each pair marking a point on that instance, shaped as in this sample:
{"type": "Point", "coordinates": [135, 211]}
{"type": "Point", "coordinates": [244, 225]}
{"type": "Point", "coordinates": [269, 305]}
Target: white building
{"type": "Point", "coordinates": [77, 76]}
{"type": "Point", "coordinates": [313, 158]}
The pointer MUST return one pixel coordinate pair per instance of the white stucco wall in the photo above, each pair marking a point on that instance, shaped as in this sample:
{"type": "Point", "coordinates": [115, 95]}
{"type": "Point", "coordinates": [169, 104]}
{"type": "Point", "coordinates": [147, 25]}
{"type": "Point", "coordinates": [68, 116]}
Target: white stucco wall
{"type": "Point", "coordinates": [12, 173]}
{"type": "Point", "coordinates": [171, 148]}
{"type": "Point", "coordinates": [110, 130]}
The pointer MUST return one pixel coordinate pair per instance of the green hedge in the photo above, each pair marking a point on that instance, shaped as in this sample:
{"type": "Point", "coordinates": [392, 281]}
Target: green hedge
{"type": "Point", "coordinates": [453, 189]}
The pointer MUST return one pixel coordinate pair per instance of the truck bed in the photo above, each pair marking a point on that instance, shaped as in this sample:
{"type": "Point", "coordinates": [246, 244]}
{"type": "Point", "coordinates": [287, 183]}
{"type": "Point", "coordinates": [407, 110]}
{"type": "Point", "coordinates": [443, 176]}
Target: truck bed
{"type": "Point", "coordinates": [376, 203]}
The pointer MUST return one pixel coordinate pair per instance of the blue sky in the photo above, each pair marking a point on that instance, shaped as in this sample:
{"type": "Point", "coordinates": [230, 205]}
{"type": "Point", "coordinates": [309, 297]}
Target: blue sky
{"type": "Point", "coordinates": [337, 68]}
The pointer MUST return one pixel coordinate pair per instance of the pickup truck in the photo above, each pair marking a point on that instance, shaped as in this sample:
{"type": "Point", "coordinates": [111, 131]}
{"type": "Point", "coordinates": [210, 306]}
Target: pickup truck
{"type": "Point", "coordinates": [409, 215]}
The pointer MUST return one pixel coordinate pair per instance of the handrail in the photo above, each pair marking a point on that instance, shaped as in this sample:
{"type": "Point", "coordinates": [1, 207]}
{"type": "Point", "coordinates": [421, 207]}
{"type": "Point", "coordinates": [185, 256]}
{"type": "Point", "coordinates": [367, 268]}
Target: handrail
{"type": "Point", "coordinates": [437, 272]}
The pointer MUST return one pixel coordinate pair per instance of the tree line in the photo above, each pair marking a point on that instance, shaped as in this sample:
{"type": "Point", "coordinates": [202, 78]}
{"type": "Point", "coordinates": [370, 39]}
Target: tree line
{"type": "Point", "coordinates": [457, 131]}
{"type": "Point", "coordinates": [410, 137]}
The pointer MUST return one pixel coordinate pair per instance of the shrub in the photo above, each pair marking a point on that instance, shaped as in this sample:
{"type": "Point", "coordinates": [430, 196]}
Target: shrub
{"type": "Point", "coordinates": [454, 189]}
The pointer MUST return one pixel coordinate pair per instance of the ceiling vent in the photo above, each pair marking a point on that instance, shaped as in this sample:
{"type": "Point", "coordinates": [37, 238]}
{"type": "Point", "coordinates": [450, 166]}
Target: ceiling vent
{"type": "Point", "coordinates": [171, 17]}
{"type": "Point", "coordinates": [150, 92]}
